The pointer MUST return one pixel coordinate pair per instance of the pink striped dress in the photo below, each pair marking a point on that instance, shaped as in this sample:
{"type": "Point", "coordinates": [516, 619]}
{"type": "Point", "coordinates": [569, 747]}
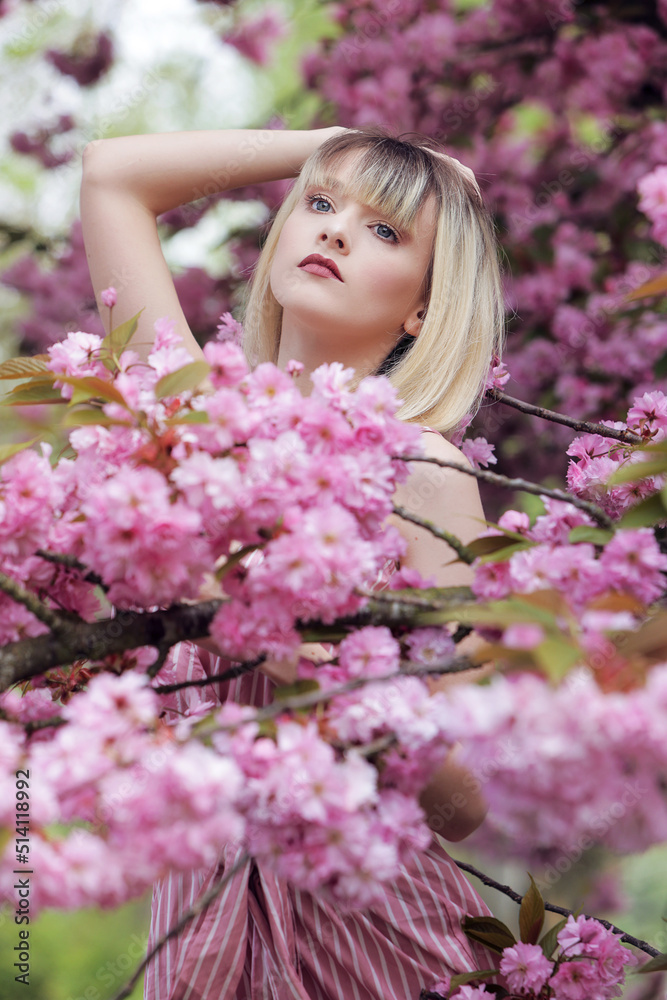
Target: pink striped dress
{"type": "Point", "coordinates": [263, 939]}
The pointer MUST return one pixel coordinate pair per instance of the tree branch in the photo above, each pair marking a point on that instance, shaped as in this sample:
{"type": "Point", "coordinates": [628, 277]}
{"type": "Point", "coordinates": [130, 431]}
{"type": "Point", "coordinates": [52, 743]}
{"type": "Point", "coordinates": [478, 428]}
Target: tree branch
{"type": "Point", "coordinates": [95, 640]}
{"type": "Point", "coordinates": [586, 426]}
{"type": "Point", "coordinates": [507, 891]}
{"type": "Point", "coordinates": [182, 922]}
{"type": "Point", "coordinates": [71, 562]}
{"type": "Point", "coordinates": [28, 658]}
{"type": "Point", "coordinates": [228, 675]}
{"type": "Point", "coordinates": [518, 484]}
{"type": "Point", "coordinates": [452, 665]}
{"type": "Point", "coordinates": [30, 601]}
{"type": "Point", "coordinates": [463, 552]}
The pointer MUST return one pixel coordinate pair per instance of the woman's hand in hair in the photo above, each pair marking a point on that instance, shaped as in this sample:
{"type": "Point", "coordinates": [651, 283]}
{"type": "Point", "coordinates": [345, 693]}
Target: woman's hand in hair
{"type": "Point", "coordinates": [464, 171]}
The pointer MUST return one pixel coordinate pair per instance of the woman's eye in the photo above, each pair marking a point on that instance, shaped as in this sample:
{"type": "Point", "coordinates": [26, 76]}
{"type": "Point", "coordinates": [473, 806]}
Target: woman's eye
{"type": "Point", "coordinates": [386, 232]}
{"type": "Point", "coordinates": [317, 200]}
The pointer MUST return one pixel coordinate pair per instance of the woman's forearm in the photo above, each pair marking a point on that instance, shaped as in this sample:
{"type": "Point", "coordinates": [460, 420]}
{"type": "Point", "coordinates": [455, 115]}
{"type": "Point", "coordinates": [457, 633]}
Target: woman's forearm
{"type": "Point", "coordinates": [165, 170]}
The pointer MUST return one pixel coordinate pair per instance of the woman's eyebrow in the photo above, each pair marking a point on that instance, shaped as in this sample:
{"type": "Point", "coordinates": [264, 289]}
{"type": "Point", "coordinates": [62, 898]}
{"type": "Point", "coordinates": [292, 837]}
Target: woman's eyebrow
{"type": "Point", "coordinates": [345, 189]}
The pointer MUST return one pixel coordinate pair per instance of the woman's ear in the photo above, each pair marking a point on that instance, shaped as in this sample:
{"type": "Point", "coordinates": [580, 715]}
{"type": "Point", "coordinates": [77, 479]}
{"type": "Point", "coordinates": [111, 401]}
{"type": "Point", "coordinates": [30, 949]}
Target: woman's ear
{"type": "Point", "coordinates": [413, 323]}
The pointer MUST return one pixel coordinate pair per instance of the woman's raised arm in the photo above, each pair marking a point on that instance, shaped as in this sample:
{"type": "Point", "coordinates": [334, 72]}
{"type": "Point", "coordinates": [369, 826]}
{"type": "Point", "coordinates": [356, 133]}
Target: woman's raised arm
{"type": "Point", "coordinates": [129, 181]}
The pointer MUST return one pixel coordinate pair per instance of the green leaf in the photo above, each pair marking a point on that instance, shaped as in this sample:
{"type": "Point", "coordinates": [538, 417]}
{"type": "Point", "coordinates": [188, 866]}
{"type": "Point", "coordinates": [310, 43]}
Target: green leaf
{"type": "Point", "coordinates": [644, 514]}
{"type": "Point", "coordinates": [656, 964]}
{"type": "Point", "coordinates": [24, 367]}
{"type": "Point", "coordinates": [494, 543]}
{"type": "Point", "coordinates": [86, 418]}
{"type": "Point", "coordinates": [33, 393]}
{"type": "Point", "coordinates": [634, 472]}
{"type": "Point", "coordinates": [286, 691]}
{"type": "Point", "coordinates": [540, 607]}
{"type": "Point", "coordinates": [507, 551]}
{"type": "Point", "coordinates": [7, 451]}
{"type": "Point", "coordinates": [470, 977]}
{"type": "Point", "coordinates": [587, 533]}
{"type": "Point", "coordinates": [489, 931]}
{"type": "Point", "coordinates": [116, 341]}
{"type": "Point", "coordinates": [550, 939]}
{"type": "Point", "coordinates": [556, 655]}
{"type": "Point", "coordinates": [193, 417]}
{"type": "Point", "coordinates": [531, 914]}
{"type": "Point", "coordinates": [182, 380]}
{"type": "Point", "coordinates": [91, 387]}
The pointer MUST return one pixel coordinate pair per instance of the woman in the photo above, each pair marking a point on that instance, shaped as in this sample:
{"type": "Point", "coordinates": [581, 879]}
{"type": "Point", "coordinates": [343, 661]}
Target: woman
{"type": "Point", "coordinates": [382, 257]}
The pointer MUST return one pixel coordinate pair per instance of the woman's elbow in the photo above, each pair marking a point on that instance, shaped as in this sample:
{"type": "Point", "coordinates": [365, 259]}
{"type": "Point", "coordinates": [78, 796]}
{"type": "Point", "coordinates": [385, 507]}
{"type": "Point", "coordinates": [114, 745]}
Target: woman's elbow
{"type": "Point", "coordinates": [96, 163]}
{"type": "Point", "coordinates": [452, 801]}
{"type": "Point", "coordinates": [464, 823]}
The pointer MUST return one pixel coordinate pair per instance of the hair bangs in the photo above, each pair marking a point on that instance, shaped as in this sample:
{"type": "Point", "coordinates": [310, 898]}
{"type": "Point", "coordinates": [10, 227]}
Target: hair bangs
{"type": "Point", "coordinates": [393, 178]}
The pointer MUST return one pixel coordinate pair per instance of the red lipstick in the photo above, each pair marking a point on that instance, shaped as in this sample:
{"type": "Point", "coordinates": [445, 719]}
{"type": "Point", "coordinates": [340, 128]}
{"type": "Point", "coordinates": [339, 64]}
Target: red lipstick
{"type": "Point", "coordinates": [314, 263]}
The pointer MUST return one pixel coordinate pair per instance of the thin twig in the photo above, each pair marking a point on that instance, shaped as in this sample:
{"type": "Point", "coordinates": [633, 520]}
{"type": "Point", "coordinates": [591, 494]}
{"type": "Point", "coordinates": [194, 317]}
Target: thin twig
{"type": "Point", "coordinates": [71, 562]}
{"type": "Point", "coordinates": [228, 675]}
{"type": "Point", "coordinates": [462, 551]}
{"type": "Point", "coordinates": [453, 665]}
{"type": "Point", "coordinates": [30, 601]}
{"type": "Point", "coordinates": [37, 724]}
{"type": "Point", "coordinates": [507, 891]}
{"type": "Point", "coordinates": [586, 426]}
{"type": "Point", "coordinates": [185, 919]}
{"type": "Point", "coordinates": [517, 484]}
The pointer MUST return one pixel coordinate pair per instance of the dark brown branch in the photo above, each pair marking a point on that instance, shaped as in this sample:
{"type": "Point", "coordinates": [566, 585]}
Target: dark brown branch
{"type": "Point", "coordinates": [28, 658]}
{"type": "Point", "coordinates": [54, 721]}
{"type": "Point", "coordinates": [93, 641]}
{"type": "Point", "coordinates": [585, 426]}
{"type": "Point", "coordinates": [462, 551]}
{"type": "Point", "coordinates": [182, 922]}
{"type": "Point", "coordinates": [507, 891]}
{"type": "Point", "coordinates": [496, 479]}
{"type": "Point", "coordinates": [30, 601]}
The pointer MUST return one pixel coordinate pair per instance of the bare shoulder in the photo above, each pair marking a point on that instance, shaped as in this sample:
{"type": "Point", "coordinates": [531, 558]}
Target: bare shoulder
{"type": "Point", "coordinates": [446, 498]}
{"type": "Point", "coordinates": [437, 446]}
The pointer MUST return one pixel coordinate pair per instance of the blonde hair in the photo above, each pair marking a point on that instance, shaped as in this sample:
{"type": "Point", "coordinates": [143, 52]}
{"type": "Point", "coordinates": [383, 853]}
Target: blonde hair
{"type": "Point", "coordinates": [440, 375]}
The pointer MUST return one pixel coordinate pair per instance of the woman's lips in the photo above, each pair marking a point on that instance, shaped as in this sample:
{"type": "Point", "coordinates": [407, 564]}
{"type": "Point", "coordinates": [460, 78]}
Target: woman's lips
{"type": "Point", "coordinates": [316, 264]}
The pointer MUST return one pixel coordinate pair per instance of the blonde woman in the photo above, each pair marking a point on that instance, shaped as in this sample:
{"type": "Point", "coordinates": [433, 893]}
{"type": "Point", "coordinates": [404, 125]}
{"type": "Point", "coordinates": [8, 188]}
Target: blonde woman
{"type": "Point", "coordinates": [382, 257]}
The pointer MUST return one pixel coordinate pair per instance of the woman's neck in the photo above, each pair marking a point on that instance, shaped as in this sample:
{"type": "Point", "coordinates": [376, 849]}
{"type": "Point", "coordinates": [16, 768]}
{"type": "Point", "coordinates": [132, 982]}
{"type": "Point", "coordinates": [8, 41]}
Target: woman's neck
{"type": "Point", "coordinates": [313, 350]}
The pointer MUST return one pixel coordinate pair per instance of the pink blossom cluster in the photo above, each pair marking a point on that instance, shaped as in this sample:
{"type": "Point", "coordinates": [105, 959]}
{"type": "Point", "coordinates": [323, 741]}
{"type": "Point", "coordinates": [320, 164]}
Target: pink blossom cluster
{"type": "Point", "coordinates": [590, 964]}
{"type": "Point", "coordinates": [317, 816]}
{"type": "Point", "coordinates": [401, 711]}
{"type": "Point", "coordinates": [629, 563]}
{"type": "Point", "coordinates": [137, 796]}
{"type": "Point", "coordinates": [152, 501]}
{"type": "Point", "coordinates": [161, 488]}
{"type": "Point", "coordinates": [653, 201]}
{"type": "Point", "coordinates": [141, 795]}
{"type": "Point", "coordinates": [256, 37]}
{"type": "Point", "coordinates": [565, 767]}
{"type": "Point", "coordinates": [595, 459]}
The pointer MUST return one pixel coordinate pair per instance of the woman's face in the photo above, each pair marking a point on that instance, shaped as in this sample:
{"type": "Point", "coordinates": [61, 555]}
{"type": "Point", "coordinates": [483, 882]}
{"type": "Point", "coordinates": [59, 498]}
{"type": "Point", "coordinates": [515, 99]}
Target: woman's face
{"type": "Point", "coordinates": [346, 275]}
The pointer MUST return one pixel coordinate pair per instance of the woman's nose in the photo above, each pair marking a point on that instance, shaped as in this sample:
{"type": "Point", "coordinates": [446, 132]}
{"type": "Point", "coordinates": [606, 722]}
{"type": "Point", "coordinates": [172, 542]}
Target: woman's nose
{"type": "Point", "coordinates": [334, 233]}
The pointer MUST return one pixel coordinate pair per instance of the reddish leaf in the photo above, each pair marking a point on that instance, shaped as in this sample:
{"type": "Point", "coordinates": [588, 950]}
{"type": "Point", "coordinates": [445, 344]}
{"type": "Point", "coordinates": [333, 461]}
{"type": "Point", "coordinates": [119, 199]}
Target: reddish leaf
{"type": "Point", "coordinates": [531, 914]}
